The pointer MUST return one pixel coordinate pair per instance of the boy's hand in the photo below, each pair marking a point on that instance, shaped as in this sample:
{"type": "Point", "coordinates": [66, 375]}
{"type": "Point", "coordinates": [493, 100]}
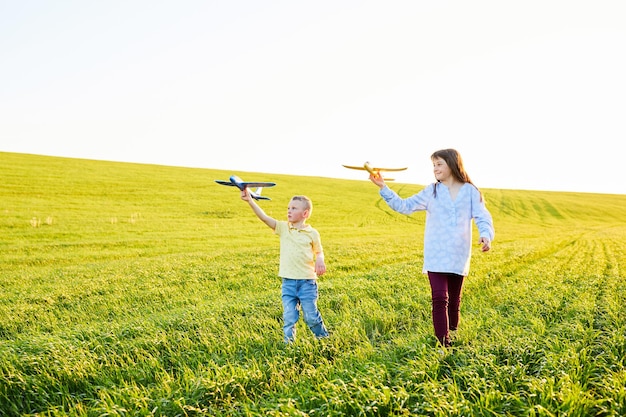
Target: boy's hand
{"type": "Point", "coordinates": [245, 194]}
{"type": "Point", "coordinates": [486, 244]}
{"type": "Point", "coordinates": [320, 266]}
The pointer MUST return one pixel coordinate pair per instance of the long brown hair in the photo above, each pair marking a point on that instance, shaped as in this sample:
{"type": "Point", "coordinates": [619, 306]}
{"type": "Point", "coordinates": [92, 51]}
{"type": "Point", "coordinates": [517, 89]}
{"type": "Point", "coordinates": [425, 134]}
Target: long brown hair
{"type": "Point", "coordinates": [455, 162]}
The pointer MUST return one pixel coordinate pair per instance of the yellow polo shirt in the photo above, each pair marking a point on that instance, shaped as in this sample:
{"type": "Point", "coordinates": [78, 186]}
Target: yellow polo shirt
{"type": "Point", "coordinates": [297, 251]}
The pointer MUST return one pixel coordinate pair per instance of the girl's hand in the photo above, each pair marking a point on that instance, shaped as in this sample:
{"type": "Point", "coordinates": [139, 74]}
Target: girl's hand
{"type": "Point", "coordinates": [377, 179]}
{"type": "Point", "coordinates": [486, 243]}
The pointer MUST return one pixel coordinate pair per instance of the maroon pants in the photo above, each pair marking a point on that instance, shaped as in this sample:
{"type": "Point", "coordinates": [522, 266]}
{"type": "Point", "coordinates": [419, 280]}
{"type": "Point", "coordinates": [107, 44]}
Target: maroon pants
{"type": "Point", "coordinates": [446, 297]}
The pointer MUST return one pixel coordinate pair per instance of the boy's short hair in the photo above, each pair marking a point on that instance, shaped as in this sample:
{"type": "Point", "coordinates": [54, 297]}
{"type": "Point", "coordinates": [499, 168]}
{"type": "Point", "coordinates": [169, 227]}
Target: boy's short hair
{"type": "Point", "coordinates": [308, 204]}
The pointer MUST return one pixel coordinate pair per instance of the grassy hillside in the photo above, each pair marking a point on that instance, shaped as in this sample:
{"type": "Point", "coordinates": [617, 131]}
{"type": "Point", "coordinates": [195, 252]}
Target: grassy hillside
{"type": "Point", "coordinates": [131, 289]}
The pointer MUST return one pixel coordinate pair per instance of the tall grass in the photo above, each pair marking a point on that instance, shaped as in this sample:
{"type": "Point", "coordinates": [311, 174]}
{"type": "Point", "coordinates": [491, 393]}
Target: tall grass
{"type": "Point", "coordinates": [134, 290]}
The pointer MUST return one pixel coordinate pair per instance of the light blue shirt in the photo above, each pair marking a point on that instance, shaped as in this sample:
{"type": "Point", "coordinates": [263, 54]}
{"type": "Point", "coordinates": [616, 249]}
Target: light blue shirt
{"type": "Point", "coordinates": [448, 231]}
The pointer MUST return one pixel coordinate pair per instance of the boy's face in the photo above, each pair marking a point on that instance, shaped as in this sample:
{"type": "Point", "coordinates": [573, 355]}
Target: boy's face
{"type": "Point", "coordinates": [296, 211]}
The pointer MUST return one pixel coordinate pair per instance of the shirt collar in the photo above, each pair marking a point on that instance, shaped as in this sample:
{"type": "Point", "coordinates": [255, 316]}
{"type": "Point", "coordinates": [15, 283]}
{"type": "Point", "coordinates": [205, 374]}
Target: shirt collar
{"type": "Point", "coordinates": [306, 228]}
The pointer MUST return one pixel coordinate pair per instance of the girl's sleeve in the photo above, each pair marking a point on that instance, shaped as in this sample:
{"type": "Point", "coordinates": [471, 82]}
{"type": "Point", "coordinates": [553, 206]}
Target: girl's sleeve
{"type": "Point", "coordinates": [417, 202]}
{"type": "Point", "coordinates": [482, 217]}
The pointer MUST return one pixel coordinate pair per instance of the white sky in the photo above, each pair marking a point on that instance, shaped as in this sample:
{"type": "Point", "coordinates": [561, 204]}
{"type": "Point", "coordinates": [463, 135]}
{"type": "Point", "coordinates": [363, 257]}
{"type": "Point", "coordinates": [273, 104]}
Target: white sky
{"type": "Point", "coordinates": [532, 93]}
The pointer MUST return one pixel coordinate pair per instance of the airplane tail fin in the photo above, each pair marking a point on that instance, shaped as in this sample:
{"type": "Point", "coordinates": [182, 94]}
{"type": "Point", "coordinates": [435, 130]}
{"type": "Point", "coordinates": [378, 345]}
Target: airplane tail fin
{"type": "Point", "coordinates": [256, 194]}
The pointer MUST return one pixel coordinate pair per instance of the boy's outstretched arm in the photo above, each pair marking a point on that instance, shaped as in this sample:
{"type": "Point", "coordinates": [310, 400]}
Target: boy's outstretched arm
{"type": "Point", "coordinates": [245, 196]}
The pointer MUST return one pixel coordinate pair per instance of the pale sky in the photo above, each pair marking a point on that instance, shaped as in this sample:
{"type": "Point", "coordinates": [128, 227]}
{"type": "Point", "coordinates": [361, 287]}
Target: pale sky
{"type": "Point", "coordinates": [532, 93]}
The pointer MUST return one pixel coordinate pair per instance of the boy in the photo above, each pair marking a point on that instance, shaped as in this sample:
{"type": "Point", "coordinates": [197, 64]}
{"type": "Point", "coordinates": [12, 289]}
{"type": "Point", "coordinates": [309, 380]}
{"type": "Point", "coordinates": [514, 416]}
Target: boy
{"type": "Point", "coordinates": [301, 262]}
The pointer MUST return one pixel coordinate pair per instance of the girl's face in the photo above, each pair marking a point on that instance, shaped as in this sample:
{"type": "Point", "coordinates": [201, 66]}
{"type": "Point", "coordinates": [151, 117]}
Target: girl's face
{"type": "Point", "coordinates": [441, 169]}
{"type": "Point", "coordinates": [296, 211]}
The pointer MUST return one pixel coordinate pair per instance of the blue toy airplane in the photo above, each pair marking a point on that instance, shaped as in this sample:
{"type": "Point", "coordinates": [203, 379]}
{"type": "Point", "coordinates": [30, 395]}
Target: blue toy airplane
{"type": "Point", "coordinates": [374, 170]}
{"type": "Point", "coordinates": [235, 181]}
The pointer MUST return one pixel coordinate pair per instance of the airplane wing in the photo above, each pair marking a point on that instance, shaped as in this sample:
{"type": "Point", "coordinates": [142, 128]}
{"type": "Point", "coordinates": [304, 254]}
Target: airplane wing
{"type": "Point", "coordinates": [374, 170]}
{"type": "Point", "coordinates": [354, 167]}
{"type": "Point", "coordinates": [257, 184]}
{"type": "Point", "coordinates": [240, 184]}
{"type": "Point", "coordinates": [363, 168]}
{"type": "Point", "coordinates": [388, 169]}
{"type": "Point", "coordinates": [231, 184]}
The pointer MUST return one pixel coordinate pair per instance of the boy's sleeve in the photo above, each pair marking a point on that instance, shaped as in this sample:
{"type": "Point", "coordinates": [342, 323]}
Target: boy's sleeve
{"type": "Point", "coordinates": [280, 227]}
{"type": "Point", "coordinates": [317, 242]}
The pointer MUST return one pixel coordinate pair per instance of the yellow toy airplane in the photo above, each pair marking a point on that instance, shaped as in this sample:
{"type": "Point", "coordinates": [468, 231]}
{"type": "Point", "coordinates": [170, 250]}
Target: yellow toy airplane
{"type": "Point", "coordinates": [374, 170]}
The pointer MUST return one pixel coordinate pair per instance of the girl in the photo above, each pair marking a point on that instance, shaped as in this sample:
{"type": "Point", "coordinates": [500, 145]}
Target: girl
{"type": "Point", "coordinates": [450, 204]}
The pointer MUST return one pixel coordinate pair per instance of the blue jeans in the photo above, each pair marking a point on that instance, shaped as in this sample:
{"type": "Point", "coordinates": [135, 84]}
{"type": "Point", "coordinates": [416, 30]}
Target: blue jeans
{"type": "Point", "coordinates": [301, 293]}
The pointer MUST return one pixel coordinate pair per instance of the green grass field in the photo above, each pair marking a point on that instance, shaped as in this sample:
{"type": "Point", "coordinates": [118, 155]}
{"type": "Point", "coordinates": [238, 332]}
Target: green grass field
{"type": "Point", "coordinates": [138, 290]}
